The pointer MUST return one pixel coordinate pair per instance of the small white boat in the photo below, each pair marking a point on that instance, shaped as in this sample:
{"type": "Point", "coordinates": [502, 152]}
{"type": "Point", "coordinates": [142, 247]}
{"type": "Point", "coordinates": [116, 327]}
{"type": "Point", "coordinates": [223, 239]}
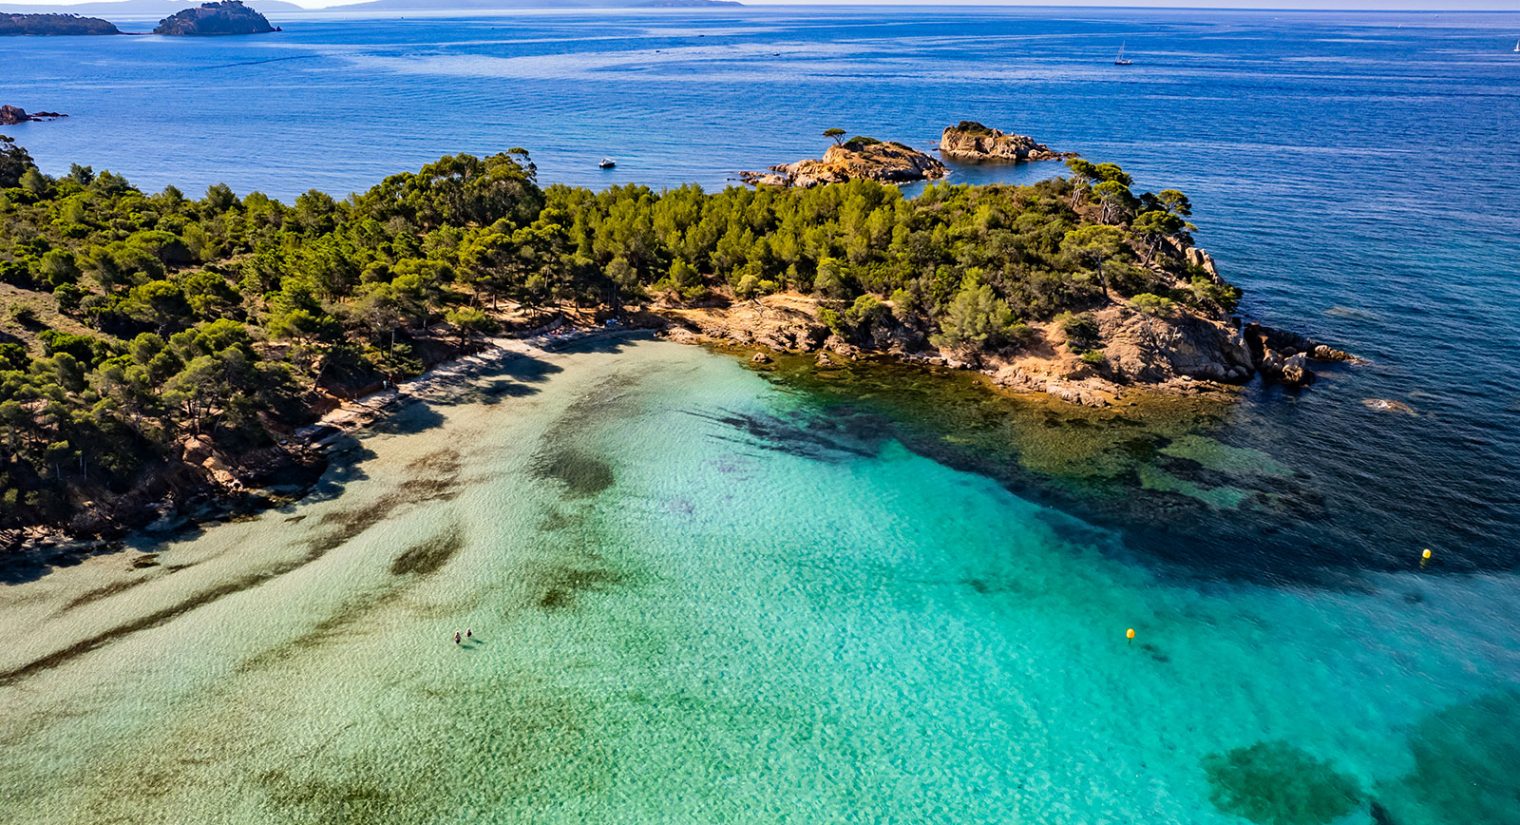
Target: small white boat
{"type": "Point", "coordinates": [607, 163]}
{"type": "Point", "coordinates": [1121, 60]}
{"type": "Point", "coordinates": [1517, 47]}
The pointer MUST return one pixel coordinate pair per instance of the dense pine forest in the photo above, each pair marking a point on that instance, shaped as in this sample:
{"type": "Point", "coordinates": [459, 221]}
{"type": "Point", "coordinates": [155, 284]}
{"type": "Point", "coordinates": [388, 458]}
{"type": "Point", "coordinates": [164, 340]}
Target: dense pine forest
{"type": "Point", "coordinates": [132, 323]}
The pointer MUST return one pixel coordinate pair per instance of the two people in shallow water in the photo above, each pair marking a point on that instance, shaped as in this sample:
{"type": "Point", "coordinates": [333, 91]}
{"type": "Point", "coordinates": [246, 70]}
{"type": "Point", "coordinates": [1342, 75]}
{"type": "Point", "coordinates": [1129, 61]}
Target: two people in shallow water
{"type": "Point", "coordinates": [469, 633]}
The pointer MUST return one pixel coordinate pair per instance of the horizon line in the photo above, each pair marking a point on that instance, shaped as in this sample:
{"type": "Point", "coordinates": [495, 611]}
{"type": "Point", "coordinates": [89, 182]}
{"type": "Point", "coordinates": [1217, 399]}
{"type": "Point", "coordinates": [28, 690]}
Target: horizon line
{"type": "Point", "coordinates": [1096, 5]}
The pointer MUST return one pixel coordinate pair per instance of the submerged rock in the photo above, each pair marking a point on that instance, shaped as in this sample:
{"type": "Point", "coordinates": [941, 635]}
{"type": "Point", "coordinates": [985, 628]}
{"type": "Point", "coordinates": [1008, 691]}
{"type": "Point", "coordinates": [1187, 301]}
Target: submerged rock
{"type": "Point", "coordinates": [1388, 405]}
{"type": "Point", "coordinates": [1275, 783]}
{"type": "Point", "coordinates": [859, 158]}
{"type": "Point", "coordinates": [972, 142]}
{"type": "Point", "coordinates": [1464, 766]}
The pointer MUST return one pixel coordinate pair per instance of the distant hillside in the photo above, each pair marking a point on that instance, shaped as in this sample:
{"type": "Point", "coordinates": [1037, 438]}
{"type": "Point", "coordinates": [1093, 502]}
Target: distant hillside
{"type": "Point", "coordinates": [120, 9]}
{"type": "Point", "coordinates": [208, 19]}
{"type": "Point", "coordinates": [53, 24]}
{"type": "Point", "coordinates": [124, 9]}
{"type": "Point", "coordinates": [495, 5]}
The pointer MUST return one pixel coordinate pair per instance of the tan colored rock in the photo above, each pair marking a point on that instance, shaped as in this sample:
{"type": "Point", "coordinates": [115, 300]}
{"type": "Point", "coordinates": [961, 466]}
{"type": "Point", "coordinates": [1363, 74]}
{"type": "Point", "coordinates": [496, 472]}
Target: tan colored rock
{"type": "Point", "coordinates": [784, 322]}
{"type": "Point", "coordinates": [1201, 259]}
{"type": "Point", "coordinates": [1295, 370]}
{"type": "Point", "coordinates": [1153, 349]}
{"type": "Point", "coordinates": [856, 159]}
{"type": "Point", "coordinates": [972, 142]}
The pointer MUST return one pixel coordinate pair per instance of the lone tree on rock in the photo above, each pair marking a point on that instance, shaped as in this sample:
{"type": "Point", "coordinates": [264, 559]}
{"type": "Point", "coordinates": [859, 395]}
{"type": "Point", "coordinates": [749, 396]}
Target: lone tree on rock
{"type": "Point", "coordinates": [836, 134]}
{"type": "Point", "coordinates": [1092, 245]}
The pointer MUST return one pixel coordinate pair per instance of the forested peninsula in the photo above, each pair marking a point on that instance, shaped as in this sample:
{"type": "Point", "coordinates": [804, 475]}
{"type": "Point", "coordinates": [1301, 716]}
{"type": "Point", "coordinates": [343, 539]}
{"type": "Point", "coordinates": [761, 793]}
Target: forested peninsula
{"type": "Point", "coordinates": [156, 349]}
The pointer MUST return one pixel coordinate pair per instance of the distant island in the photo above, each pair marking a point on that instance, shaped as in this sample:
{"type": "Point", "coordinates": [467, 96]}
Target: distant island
{"type": "Point", "coordinates": [208, 19]}
{"type": "Point", "coordinates": [215, 19]}
{"type": "Point", "coordinates": [54, 25]}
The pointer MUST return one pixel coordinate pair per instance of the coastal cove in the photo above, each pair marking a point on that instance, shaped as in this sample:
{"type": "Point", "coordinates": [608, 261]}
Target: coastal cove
{"type": "Point", "coordinates": [676, 615]}
{"type": "Point", "coordinates": [1275, 125]}
{"type": "Point", "coordinates": [515, 488]}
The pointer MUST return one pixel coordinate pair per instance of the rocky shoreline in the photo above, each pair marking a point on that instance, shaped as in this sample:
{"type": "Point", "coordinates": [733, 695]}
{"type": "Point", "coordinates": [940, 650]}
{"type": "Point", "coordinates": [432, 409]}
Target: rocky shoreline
{"type": "Point", "coordinates": [1184, 354]}
{"type": "Point", "coordinates": [1181, 352]}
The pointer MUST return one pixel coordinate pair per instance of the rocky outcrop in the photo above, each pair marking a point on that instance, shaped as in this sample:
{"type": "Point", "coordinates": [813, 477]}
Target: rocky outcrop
{"type": "Point", "coordinates": [856, 159]}
{"type": "Point", "coordinates": [54, 25]}
{"type": "Point", "coordinates": [1180, 351]}
{"type": "Point", "coordinates": [1201, 259]}
{"type": "Point", "coordinates": [227, 17]}
{"type": "Point", "coordinates": [12, 115]}
{"type": "Point", "coordinates": [971, 142]}
{"type": "Point", "coordinates": [1155, 349]}
{"type": "Point", "coordinates": [1284, 356]}
{"type": "Point", "coordinates": [784, 323]}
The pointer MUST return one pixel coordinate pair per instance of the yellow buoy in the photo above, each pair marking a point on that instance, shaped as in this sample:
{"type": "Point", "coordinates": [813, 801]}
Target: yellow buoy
{"type": "Point", "coordinates": [1130, 634]}
{"type": "Point", "coordinates": [1425, 557]}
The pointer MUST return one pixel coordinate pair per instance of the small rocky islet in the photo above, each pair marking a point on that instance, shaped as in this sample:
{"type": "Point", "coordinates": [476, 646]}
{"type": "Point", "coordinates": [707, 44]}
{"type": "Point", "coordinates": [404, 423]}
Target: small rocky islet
{"type": "Point", "coordinates": [15, 115]}
{"type": "Point", "coordinates": [866, 158]}
{"type": "Point", "coordinates": [215, 19]}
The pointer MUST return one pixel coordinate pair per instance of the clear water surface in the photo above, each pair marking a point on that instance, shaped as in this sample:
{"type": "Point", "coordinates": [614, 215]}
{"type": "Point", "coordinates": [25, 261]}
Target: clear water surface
{"type": "Point", "coordinates": [700, 599]}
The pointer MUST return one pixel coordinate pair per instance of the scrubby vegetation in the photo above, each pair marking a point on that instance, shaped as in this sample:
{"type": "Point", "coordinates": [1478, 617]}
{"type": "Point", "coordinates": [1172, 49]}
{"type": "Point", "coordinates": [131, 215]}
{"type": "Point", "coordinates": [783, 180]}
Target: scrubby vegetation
{"type": "Point", "coordinates": [54, 24]}
{"type": "Point", "coordinates": [217, 18]}
{"type": "Point", "coordinates": [132, 321]}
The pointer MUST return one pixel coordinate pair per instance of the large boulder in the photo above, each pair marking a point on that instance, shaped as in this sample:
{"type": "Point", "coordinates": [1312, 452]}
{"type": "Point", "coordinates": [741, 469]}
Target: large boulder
{"type": "Point", "coordinates": [1144, 348]}
{"type": "Point", "coordinates": [1295, 370]}
{"type": "Point", "coordinates": [969, 141]}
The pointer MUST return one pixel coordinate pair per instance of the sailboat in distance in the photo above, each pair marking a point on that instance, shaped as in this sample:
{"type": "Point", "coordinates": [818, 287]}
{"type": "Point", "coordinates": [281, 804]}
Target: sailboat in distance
{"type": "Point", "coordinates": [1517, 47]}
{"type": "Point", "coordinates": [1121, 60]}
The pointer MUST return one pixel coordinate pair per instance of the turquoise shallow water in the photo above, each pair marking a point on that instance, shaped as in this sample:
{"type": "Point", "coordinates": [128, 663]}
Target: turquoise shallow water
{"type": "Point", "coordinates": [682, 620]}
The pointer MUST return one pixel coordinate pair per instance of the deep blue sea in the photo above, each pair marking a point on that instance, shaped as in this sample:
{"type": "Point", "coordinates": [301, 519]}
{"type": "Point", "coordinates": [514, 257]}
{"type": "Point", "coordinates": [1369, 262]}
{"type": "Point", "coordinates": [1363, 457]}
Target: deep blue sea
{"type": "Point", "coordinates": [1354, 173]}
